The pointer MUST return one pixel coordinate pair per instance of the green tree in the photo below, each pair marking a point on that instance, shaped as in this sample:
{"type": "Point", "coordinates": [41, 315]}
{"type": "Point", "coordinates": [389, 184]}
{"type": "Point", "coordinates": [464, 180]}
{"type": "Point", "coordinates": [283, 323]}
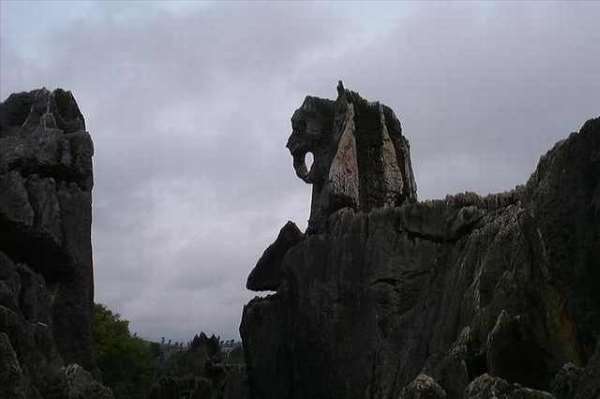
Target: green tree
{"type": "Point", "coordinates": [127, 363]}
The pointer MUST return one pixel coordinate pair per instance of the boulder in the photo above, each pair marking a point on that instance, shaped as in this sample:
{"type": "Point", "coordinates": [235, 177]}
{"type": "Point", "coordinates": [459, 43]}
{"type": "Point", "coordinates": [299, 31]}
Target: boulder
{"type": "Point", "coordinates": [81, 385]}
{"type": "Point", "coordinates": [487, 387]}
{"type": "Point", "coordinates": [423, 387]}
{"type": "Point", "coordinates": [566, 381]}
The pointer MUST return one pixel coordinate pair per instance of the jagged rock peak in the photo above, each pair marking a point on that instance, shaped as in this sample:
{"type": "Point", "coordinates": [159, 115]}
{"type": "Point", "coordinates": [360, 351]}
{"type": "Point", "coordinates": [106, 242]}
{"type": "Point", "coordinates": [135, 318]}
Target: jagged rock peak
{"type": "Point", "coordinates": [43, 133]}
{"type": "Point", "coordinates": [22, 112]}
{"type": "Point", "coordinates": [361, 158]}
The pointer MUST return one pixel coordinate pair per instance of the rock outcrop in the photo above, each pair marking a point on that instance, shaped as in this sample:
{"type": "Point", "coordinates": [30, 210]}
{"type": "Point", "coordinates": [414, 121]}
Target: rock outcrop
{"type": "Point", "coordinates": [46, 276]}
{"type": "Point", "coordinates": [465, 297]}
{"type": "Point", "coordinates": [361, 158]}
{"type": "Point", "coordinates": [267, 273]}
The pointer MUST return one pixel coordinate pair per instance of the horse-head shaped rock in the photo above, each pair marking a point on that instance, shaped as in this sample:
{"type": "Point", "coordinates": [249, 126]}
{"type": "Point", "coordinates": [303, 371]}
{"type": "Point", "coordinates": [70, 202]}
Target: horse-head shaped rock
{"type": "Point", "coordinates": [361, 158]}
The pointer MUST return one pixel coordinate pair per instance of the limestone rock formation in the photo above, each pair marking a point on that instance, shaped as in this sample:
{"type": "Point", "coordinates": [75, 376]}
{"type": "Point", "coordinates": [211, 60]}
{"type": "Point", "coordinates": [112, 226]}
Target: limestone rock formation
{"type": "Point", "coordinates": [46, 276]}
{"type": "Point", "coordinates": [266, 275]}
{"type": "Point", "coordinates": [478, 294]}
{"type": "Point", "coordinates": [487, 387]}
{"type": "Point", "coordinates": [81, 385]}
{"type": "Point", "coordinates": [361, 158]}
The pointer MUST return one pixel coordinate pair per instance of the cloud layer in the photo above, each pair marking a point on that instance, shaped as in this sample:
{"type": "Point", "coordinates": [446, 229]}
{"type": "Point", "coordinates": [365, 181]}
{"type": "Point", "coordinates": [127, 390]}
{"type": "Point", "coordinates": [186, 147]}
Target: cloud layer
{"type": "Point", "coordinates": [189, 107]}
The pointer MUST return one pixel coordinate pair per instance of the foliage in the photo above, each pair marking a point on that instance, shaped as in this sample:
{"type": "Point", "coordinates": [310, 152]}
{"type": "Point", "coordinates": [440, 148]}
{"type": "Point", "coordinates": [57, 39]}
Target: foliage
{"type": "Point", "coordinates": [127, 363]}
{"type": "Point", "coordinates": [131, 366]}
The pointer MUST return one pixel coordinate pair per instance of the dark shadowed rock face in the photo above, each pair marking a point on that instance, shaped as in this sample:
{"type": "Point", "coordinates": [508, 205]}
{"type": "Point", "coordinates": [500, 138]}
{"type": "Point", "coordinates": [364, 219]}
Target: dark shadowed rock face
{"type": "Point", "coordinates": [46, 277]}
{"type": "Point", "coordinates": [488, 387]}
{"type": "Point", "coordinates": [455, 298]}
{"type": "Point", "coordinates": [423, 387]}
{"type": "Point", "coordinates": [266, 275]}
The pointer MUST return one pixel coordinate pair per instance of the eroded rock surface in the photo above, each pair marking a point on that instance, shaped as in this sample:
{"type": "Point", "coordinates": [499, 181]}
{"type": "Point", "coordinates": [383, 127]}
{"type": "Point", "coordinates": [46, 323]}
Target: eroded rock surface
{"type": "Point", "coordinates": [423, 387]}
{"type": "Point", "coordinates": [488, 387]}
{"type": "Point", "coordinates": [46, 276]}
{"type": "Point", "coordinates": [479, 294]}
{"type": "Point", "coordinates": [361, 158]}
{"type": "Point", "coordinates": [266, 275]}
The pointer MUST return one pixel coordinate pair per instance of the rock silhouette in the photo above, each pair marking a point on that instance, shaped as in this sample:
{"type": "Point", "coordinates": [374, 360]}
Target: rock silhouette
{"type": "Point", "coordinates": [387, 297]}
{"type": "Point", "coordinates": [46, 276]}
{"type": "Point", "coordinates": [267, 273]}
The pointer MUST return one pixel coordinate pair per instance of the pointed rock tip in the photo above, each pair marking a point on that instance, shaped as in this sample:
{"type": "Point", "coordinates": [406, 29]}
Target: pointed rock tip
{"type": "Point", "coordinates": [340, 87]}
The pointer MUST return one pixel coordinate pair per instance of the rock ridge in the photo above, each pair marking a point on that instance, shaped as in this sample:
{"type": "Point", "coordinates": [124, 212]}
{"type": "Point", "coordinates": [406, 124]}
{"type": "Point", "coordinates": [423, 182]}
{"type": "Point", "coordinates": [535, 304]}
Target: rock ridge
{"type": "Point", "coordinates": [465, 297]}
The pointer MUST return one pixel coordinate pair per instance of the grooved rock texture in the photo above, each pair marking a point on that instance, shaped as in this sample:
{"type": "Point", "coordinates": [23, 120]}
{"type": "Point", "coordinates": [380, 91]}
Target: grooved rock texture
{"type": "Point", "coordinates": [361, 158]}
{"type": "Point", "coordinates": [465, 297]}
{"type": "Point", "coordinates": [46, 276]}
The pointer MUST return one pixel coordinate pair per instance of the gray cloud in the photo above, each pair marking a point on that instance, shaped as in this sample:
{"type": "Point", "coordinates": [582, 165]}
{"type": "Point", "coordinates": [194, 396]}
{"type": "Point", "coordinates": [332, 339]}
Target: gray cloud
{"type": "Point", "coordinates": [189, 107]}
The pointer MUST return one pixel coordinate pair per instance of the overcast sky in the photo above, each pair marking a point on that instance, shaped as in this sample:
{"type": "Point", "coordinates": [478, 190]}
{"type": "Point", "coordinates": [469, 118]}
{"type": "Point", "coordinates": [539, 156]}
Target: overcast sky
{"type": "Point", "coordinates": [189, 104]}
